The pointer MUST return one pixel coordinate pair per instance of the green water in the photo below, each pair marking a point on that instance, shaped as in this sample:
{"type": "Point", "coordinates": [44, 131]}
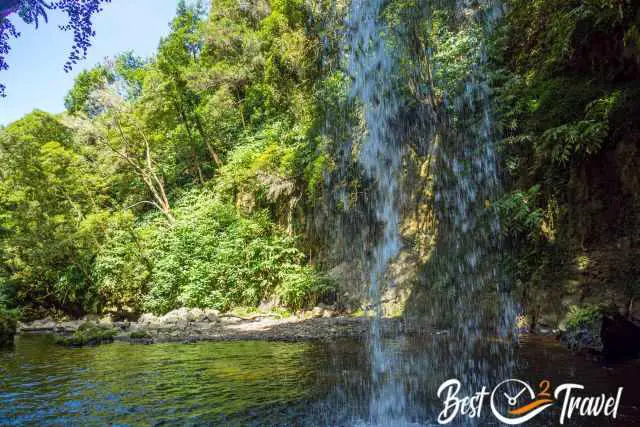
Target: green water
{"type": "Point", "coordinates": [132, 384]}
{"type": "Point", "coordinates": [258, 383]}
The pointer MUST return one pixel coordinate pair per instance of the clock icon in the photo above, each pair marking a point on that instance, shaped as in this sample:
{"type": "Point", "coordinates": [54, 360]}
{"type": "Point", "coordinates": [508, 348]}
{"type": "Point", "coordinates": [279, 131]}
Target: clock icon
{"type": "Point", "coordinates": [514, 402]}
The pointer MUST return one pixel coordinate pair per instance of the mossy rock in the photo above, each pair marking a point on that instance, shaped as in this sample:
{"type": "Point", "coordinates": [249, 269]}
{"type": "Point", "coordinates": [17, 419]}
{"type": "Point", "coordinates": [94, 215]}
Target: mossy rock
{"type": "Point", "coordinates": [88, 334]}
{"type": "Point", "coordinates": [7, 328]}
{"type": "Point", "coordinates": [139, 335]}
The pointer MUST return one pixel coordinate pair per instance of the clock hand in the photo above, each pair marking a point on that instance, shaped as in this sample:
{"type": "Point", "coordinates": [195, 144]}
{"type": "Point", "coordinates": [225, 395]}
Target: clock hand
{"type": "Point", "coordinates": [512, 400]}
{"type": "Point", "coordinates": [521, 391]}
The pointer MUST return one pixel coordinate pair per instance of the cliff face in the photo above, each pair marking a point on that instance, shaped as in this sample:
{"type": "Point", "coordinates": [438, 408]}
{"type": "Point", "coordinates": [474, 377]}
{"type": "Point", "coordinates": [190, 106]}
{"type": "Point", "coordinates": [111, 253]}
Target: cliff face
{"type": "Point", "coordinates": [567, 82]}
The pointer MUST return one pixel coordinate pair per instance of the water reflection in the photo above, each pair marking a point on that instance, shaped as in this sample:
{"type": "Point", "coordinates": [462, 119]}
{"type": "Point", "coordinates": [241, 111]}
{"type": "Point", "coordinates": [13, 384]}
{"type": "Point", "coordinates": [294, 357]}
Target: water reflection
{"type": "Point", "coordinates": [260, 383]}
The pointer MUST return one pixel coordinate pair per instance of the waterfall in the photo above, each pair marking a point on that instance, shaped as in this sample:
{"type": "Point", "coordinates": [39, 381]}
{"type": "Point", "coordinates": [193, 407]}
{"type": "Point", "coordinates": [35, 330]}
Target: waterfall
{"type": "Point", "coordinates": [464, 265]}
{"type": "Point", "coordinates": [372, 69]}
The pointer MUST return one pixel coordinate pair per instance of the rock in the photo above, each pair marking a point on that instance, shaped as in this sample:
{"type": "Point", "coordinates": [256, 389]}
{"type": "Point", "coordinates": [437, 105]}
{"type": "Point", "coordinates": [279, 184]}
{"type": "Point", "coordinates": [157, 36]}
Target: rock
{"type": "Point", "coordinates": [69, 327]}
{"type": "Point", "coordinates": [140, 337]}
{"type": "Point", "coordinates": [180, 314]}
{"type": "Point", "coordinates": [230, 320]}
{"type": "Point", "coordinates": [123, 325]}
{"type": "Point", "coordinates": [42, 325]}
{"type": "Point", "coordinates": [211, 314]}
{"type": "Point", "coordinates": [196, 315]}
{"type": "Point", "coordinates": [88, 333]}
{"type": "Point", "coordinates": [106, 321]}
{"type": "Point", "coordinates": [608, 334]}
{"type": "Point", "coordinates": [267, 306]}
{"type": "Point", "coordinates": [147, 318]}
{"type": "Point", "coordinates": [317, 312]}
{"type": "Point", "coordinates": [584, 338]}
{"type": "Point", "coordinates": [620, 338]}
{"type": "Point", "coordinates": [328, 313]}
{"type": "Point", "coordinates": [90, 318]}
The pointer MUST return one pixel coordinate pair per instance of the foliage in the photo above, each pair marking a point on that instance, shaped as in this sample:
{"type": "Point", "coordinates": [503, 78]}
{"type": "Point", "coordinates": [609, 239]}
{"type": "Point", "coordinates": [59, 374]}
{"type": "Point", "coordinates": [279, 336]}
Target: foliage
{"type": "Point", "coordinates": [79, 13]}
{"type": "Point", "coordinates": [564, 73]}
{"type": "Point", "coordinates": [7, 326]}
{"type": "Point", "coordinates": [580, 316]}
{"type": "Point", "coordinates": [213, 257]}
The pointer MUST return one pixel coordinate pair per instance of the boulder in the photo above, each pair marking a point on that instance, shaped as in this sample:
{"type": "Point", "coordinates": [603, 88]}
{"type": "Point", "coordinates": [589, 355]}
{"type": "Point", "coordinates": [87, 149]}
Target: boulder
{"type": "Point", "coordinates": [211, 314]}
{"type": "Point", "coordinates": [147, 318]}
{"type": "Point", "coordinates": [174, 316]}
{"type": "Point", "coordinates": [202, 327]}
{"type": "Point", "coordinates": [106, 321]}
{"type": "Point", "coordinates": [317, 312]}
{"type": "Point", "coordinates": [328, 313]}
{"type": "Point", "coordinates": [230, 320]}
{"type": "Point", "coordinates": [89, 333]}
{"type": "Point", "coordinates": [609, 334]}
{"type": "Point", "coordinates": [42, 325]}
{"type": "Point", "coordinates": [196, 315]}
{"type": "Point", "coordinates": [69, 327]}
{"type": "Point", "coordinates": [583, 338]}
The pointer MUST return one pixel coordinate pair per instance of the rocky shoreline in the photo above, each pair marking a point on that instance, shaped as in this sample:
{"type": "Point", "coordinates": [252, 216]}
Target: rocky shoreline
{"type": "Point", "coordinates": [192, 325]}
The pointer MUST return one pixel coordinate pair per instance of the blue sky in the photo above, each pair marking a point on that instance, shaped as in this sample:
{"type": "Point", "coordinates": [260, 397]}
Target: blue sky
{"type": "Point", "coordinates": [36, 79]}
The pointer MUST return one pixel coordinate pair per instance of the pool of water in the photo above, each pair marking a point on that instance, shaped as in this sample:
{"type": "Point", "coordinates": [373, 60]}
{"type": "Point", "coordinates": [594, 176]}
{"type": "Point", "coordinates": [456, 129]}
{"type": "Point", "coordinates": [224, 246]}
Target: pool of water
{"type": "Point", "coordinates": [256, 383]}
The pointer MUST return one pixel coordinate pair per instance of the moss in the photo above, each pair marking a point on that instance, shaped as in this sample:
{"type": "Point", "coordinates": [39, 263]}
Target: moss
{"type": "Point", "coordinates": [139, 335]}
{"type": "Point", "coordinates": [88, 334]}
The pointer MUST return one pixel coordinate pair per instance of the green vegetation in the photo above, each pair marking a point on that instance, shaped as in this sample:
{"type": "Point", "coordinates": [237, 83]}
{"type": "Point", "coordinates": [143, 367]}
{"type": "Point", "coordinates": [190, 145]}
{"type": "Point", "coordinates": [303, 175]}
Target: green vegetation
{"type": "Point", "coordinates": [219, 173]}
{"type": "Point", "coordinates": [567, 76]}
{"type": "Point", "coordinates": [88, 334]}
{"type": "Point", "coordinates": [139, 335]}
{"type": "Point", "coordinates": [174, 181]}
{"type": "Point", "coordinates": [580, 316]}
{"type": "Point", "coordinates": [7, 326]}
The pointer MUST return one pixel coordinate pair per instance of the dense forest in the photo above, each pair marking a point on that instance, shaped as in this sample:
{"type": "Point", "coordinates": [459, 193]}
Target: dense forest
{"type": "Point", "coordinates": [219, 173]}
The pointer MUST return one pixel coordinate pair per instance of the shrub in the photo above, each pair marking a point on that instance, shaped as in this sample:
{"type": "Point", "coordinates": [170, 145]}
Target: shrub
{"type": "Point", "coordinates": [211, 257]}
{"type": "Point", "coordinates": [580, 316]}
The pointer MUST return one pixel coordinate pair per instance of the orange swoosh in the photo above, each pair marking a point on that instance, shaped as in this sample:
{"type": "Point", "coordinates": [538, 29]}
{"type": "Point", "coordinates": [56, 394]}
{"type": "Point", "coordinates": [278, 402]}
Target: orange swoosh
{"type": "Point", "coordinates": [530, 407]}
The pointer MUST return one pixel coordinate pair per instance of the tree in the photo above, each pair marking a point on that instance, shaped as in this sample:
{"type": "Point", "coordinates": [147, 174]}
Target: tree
{"type": "Point", "coordinates": [79, 13]}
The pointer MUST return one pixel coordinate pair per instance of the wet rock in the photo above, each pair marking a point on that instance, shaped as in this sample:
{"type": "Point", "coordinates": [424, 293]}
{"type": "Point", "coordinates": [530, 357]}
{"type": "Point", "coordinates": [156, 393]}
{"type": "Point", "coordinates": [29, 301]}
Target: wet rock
{"type": "Point", "coordinates": [42, 325]}
{"type": "Point", "coordinates": [608, 334]}
{"type": "Point", "coordinates": [140, 337]}
{"type": "Point", "coordinates": [68, 327]}
{"type": "Point", "coordinates": [584, 337]}
{"type": "Point", "coordinates": [88, 333]}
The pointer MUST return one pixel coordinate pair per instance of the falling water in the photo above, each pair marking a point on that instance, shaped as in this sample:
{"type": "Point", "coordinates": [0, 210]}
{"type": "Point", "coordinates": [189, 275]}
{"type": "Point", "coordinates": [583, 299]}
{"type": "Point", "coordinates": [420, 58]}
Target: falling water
{"type": "Point", "coordinates": [464, 266]}
{"type": "Point", "coordinates": [372, 68]}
